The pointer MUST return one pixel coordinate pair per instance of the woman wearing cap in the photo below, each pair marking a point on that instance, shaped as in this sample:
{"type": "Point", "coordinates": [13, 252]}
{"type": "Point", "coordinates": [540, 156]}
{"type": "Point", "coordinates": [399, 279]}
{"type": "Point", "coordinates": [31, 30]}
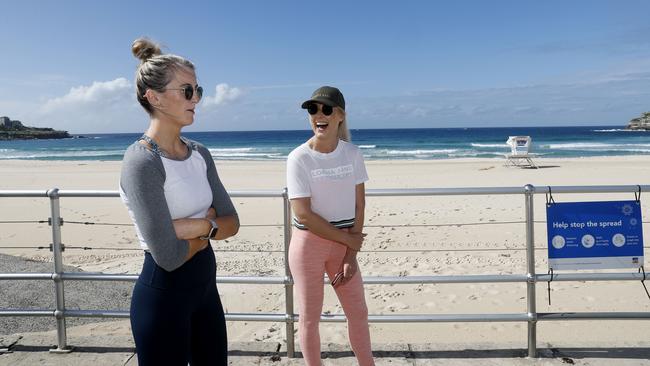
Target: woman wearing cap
{"type": "Point", "coordinates": [177, 202]}
{"type": "Point", "coordinates": [325, 182]}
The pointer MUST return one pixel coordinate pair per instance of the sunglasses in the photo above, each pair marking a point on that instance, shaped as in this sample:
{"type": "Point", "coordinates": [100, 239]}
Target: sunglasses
{"type": "Point", "coordinates": [188, 91]}
{"type": "Point", "coordinates": [313, 109]}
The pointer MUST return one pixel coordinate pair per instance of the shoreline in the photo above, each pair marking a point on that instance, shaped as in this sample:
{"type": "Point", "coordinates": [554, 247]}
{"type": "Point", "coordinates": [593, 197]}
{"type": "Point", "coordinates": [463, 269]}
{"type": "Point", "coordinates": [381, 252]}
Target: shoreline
{"type": "Point", "coordinates": [496, 157]}
{"type": "Point", "coordinates": [461, 172]}
{"type": "Point", "coordinates": [454, 159]}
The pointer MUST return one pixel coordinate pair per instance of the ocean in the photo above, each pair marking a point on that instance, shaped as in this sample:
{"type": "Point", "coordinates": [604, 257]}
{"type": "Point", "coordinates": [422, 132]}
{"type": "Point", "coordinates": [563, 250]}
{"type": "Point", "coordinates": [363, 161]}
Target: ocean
{"type": "Point", "coordinates": [376, 144]}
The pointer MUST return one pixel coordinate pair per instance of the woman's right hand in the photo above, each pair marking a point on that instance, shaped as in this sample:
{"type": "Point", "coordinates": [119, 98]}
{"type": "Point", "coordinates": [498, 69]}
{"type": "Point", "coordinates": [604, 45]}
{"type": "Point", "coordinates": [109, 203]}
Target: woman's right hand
{"type": "Point", "coordinates": [355, 240]}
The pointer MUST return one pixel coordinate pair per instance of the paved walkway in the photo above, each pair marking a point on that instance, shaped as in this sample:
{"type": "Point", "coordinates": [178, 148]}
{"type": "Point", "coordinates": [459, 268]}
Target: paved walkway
{"type": "Point", "coordinates": [117, 349]}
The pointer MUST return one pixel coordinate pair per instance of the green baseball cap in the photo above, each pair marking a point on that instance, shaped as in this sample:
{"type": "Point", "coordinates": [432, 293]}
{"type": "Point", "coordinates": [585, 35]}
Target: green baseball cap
{"type": "Point", "coordinates": [327, 95]}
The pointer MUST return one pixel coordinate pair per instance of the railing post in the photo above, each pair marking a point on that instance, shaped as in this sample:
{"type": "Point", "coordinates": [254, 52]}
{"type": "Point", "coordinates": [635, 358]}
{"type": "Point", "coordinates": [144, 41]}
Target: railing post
{"type": "Point", "coordinates": [529, 190]}
{"type": "Point", "coordinates": [288, 285]}
{"type": "Point", "coordinates": [59, 312]}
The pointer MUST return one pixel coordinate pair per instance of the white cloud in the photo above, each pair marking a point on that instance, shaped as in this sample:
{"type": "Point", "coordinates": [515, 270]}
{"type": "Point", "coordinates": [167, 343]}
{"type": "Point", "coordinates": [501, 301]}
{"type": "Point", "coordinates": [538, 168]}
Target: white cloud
{"type": "Point", "coordinates": [98, 92]}
{"type": "Point", "coordinates": [103, 106]}
{"type": "Point", "coordinates": [224, 94]}
{"type": "Point", "coordinates": [111, 107]}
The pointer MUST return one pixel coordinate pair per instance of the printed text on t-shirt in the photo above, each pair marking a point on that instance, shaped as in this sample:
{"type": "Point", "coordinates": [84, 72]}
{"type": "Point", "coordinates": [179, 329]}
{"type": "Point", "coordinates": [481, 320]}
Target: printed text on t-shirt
{"type": "Point", "coordinates": [333, 173]}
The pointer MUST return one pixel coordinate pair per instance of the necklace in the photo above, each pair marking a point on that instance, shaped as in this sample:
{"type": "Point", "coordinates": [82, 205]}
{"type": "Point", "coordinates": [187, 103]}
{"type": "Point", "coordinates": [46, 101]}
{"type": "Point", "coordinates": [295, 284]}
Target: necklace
{"type": "Point", "coordinates": [156, 148]}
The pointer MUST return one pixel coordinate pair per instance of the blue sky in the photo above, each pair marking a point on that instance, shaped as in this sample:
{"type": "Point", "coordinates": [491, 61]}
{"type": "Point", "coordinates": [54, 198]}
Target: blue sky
{"type": "Point", "coordinates": [461, 63]}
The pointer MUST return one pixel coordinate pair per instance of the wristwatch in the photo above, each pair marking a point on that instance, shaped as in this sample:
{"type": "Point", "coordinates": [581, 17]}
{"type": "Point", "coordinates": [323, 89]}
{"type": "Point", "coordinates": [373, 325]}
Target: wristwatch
{"type": "Point", "coordinates": [213, 230]}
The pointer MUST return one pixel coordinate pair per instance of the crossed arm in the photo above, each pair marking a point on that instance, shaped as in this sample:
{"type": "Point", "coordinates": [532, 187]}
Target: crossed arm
{"type": "Point", "coordinates": [192, 229]}
{"type": "Point", "coordinates": [352, 238]}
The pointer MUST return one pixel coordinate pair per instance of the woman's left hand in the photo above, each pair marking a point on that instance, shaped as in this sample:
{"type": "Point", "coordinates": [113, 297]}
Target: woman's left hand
{"type": "Point", "coordinates": [350, 266]}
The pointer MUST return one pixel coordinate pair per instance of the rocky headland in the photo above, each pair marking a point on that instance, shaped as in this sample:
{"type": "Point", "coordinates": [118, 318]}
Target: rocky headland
{"type": "Point", "coordinates": [14, 130]}
{"type": "Point", "coordinates": [640, 123]}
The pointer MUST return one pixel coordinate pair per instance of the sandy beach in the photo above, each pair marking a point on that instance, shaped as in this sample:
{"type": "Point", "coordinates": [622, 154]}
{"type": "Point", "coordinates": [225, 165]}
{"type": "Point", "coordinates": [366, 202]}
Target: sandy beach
{"type": "Point", "coordinates": [407, 236]}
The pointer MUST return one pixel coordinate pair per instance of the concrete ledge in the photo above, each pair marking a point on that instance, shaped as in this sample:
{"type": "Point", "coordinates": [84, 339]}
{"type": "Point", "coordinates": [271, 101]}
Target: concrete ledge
{"type": "Point", "coordinates": [117, 349]}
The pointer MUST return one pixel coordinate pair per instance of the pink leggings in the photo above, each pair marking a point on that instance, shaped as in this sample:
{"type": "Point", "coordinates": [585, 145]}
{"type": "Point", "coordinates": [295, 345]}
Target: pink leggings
{"type": "Point", "coordinates": [309, 257]}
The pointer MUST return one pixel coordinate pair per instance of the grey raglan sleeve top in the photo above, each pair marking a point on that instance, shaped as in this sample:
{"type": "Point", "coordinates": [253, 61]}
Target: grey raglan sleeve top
{"type": "Point", "coordinates": [142, 182]}
{"type": "Point", "coordinates": [221, 202]}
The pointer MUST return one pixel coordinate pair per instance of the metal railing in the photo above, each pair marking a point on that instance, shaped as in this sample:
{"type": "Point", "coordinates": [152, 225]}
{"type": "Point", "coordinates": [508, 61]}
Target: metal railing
{"type": "Point", "coordinates": [531, 316]}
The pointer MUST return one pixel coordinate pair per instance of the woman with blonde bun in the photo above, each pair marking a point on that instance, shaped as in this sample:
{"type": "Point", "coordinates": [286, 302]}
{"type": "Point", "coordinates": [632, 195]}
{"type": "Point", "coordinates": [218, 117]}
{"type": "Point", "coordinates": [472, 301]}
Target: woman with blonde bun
{"type": "Point", "coordinates": [176, 200]}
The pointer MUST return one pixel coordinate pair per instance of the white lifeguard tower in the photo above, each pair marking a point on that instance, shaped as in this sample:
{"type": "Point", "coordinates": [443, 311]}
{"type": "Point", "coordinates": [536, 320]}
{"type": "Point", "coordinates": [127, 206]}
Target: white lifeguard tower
{"type": "Point", "coordinates": [520, 152]}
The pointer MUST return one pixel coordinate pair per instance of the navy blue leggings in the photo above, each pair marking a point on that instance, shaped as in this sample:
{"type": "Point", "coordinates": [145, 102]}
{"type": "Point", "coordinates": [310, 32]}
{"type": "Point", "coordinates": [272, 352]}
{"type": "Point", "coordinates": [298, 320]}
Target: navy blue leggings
{"type": "Point", "coordinates": [177, 317]}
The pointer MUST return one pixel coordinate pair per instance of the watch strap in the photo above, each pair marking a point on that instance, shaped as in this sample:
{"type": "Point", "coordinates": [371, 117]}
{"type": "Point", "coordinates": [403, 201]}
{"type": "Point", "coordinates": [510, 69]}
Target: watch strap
{"type": "Point", "coordinates": [214, 228]}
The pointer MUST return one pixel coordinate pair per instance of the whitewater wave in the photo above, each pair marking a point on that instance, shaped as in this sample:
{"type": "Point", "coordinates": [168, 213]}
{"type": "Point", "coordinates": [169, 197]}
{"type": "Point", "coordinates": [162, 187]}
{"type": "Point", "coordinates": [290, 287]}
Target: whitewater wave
{"type": "Point", "coordinates": [634, 150]}
{"type": "Point", "coordinates": [246, 156]}
{"type": "Point", "coordinates": [256, 157]}
{"type": "Point", "coordinates": [233, 150]}
{"type": "Point", "coordinates": [245, 153]}
{"type": "Point", "coordinates": [595, 146]}
{"type": "Point", "coordinates": [488, 145]}
{"type": "Point", "coordinates": [421, 152]}
{"type": "Point", "coordinates": [470, 154]}
{"type": "Point", "coordinates": [68, 154]}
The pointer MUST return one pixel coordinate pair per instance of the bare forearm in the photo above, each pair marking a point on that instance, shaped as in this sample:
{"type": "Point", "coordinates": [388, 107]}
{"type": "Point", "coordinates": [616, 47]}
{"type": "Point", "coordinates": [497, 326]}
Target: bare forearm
{"type": "Point", "coordinates": [350, 254]}
{"type": "Point", "coordinates": [195, 228]}
{"type": "Point", "coordinates": [358, 221]}
{"type": "Point", "coordinates": [191, 228]}
{"type": "Point", "coordinates": [359, 208]}
{"type": "Point", "coordinates": [321, 227]}
{"type": "Point", "coordinates": [228, 226]}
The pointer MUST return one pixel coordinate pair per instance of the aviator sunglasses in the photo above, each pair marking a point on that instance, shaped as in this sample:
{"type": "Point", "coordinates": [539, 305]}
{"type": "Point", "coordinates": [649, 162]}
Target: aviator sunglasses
{"type": "Point", "coordinates": [313, 109]}
{"type": "Point", "coordinates": [188, 91]}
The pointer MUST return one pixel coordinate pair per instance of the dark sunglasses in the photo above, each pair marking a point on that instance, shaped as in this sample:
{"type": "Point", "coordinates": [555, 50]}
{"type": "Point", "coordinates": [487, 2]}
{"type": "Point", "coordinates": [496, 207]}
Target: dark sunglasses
{"type": "Point", "coordinates": [313, 109]}
{"type": "Point", "coordinates": [188, 91]}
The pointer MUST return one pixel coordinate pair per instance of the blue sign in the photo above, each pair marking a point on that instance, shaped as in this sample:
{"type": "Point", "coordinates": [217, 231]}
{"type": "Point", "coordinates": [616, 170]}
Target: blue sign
{"type": "Point", "coordinates": [594, 235]}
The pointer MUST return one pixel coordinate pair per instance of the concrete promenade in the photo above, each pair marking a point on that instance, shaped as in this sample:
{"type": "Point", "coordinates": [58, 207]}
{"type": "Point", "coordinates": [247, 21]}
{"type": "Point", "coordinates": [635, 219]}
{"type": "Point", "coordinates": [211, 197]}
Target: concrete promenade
{"type": "Point", "coordinates": [116, 348]}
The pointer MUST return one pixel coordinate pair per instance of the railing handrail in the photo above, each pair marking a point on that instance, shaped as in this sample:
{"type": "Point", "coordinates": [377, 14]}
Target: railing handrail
{"type": "Point", "coordinates": [58, 276]}
{"type": "Point", "coordinates": [369, 280]}
{"type": "Point", "coordinates": [383, 192]}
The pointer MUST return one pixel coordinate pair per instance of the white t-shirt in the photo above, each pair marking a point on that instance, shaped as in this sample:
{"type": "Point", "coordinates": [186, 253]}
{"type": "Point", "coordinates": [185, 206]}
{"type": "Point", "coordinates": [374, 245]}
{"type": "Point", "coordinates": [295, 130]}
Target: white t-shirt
{"type": "Point", "coordinates": [187, 190]}
{"type": "Point", "coordinates": [329, 179]}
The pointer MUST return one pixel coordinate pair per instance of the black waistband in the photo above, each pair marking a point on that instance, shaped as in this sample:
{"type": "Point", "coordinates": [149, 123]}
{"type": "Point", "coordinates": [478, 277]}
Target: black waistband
{"type": "Point", "coordinates": [341, 224]}
{"type": "Point", "coordinates": [197, 272]}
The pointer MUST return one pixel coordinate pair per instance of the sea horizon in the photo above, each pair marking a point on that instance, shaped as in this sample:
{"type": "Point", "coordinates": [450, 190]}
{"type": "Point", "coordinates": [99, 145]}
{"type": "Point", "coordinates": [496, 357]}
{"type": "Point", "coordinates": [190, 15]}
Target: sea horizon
{"type": "Point", "coordinates": [376, 144]}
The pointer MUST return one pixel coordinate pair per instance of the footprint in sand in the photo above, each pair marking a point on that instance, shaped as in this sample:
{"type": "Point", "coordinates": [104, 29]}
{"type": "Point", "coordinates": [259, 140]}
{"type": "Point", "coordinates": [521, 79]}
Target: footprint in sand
{"type": "Point", "coordinates": [396, 307]}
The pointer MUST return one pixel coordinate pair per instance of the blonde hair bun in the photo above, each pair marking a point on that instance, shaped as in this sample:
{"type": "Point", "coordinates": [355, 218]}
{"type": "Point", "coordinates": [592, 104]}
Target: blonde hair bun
{"type": "Point", "coordinates": [144, 49]}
